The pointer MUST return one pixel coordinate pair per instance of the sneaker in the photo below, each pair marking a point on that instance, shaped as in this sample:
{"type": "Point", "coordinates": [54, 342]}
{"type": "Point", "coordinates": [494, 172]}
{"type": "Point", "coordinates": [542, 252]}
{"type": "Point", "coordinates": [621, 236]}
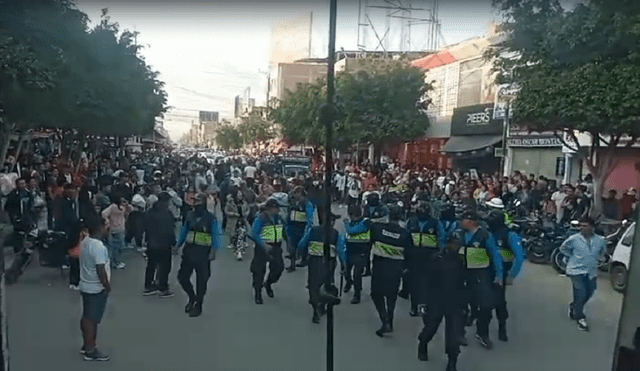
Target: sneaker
{"type": "Point", "coordinates": [166, 294]}
{"type": "Point", "coordinates": [231, 247]}
{"type": "Point", "coordinates": [74, 287]}
{"type": "Point", "coordinates": [65, 266]}
{"type": "Point", "coordinates": [120, 265]}
{"type": "Point", "coordinates": [83, 351]}
{"type": "Point", "coordinates": [582, 325]}
{"type": "Point", "coordinates": [96, 356]}
{"type": "Point", "coordinates": [149, 292]}
{"type": "Point", "coordinates": [485, 342]}
{"type": "Point", "coordinates": [142, 249]}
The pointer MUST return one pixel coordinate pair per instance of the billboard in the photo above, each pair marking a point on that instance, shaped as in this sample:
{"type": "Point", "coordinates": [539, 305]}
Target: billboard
{"type": "Point", "coordinates": [475, 120]}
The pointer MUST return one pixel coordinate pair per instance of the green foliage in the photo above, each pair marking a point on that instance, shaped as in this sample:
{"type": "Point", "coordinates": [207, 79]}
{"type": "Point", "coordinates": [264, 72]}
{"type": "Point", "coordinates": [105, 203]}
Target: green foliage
{"type": "Point", "coordinates": [376, 102]}
{"type": "Point", "coordinates": [228, 137]}
{"type": "Point", "coordinates": [254, 128]}
{"type": "Point", "coordinates": [61, 74]}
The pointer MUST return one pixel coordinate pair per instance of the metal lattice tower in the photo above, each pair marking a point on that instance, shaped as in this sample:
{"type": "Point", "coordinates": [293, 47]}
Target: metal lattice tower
{"type": "Point", "coordinates": [399, 18]}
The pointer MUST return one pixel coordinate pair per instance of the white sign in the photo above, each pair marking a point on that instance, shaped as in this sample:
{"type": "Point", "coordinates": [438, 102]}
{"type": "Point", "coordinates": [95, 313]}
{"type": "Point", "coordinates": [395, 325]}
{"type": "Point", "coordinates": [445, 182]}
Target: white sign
{"type": "Point", "coordinates": [479, 118]}
{"type": "Point", "coordinates": [500, 108]}
{"type": "Point", "coordinates": [534, 142]}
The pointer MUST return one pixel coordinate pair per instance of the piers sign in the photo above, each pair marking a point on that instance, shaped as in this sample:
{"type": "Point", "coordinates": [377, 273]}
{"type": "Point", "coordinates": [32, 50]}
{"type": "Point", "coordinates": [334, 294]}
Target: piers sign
{"type": "Point", "coordinates": [475, 120]}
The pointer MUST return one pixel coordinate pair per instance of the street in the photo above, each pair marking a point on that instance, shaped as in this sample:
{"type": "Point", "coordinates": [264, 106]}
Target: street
{"type": "Point", "coordinates": [149, 333]}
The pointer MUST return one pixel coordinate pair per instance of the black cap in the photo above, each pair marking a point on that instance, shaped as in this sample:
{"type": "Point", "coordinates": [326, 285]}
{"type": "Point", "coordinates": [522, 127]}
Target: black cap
{"type": "Point", "coordinates": [271, 203]}
{"type": "Point", "coordinates": [469, 215]}
{"type": "Point", "coordinates": [164, 196]}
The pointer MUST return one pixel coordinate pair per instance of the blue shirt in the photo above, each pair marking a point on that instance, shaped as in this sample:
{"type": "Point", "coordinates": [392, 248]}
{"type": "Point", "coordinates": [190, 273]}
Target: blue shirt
{"type": "Point", "coordinates": [515, 244]}
{"type": "Point", "coordinates": [256, 229]}
{"type": "Point", "coordinates": [442, 235]}
{"type": "Point", "coordinates": [583, 254]}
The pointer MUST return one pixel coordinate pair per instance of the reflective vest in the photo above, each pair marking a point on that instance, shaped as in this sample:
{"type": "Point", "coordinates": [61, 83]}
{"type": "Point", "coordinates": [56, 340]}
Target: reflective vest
{"type": "Point", "coordinates": [316, 248]}
{"type": "Point", "coordinates": [386, 250]}
{"type": "Point", "coordinates": [429, 240]}
{"type": "Point", "coordinates": [298, 213]}
{"type": "Point", "coordinates": [364, 237]}
{"type": "Point", "coordinates": [505, 250]}
{"type": "Point", "coordinates": [474, 254]}
{"type": "Point", "coordinates": [271, 233]}
{"type": "Point", "coordinates": [199, 230]}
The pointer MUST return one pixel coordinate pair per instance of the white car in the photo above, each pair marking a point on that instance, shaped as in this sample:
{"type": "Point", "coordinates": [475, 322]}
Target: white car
{"type": "Point", "coordinates": [620, 260]}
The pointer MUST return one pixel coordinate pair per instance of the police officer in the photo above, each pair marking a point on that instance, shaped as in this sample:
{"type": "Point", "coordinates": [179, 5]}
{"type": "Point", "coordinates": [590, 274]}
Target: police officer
{"type": "Point", "coordinates": [358, 245]}
{"type": "Point", "coordinates": [267, 232]}
{"type": "Point", "coordinates": [376, 213]}
{"type": "Point", "coordinates": [390, 244]}
{"type": "Point", "coordinates": [299, 221]}
{"type": "Point", "coordinates": [446, 299]}
{"type": "Point", "coordinates": [313, 243]}
{"type": "Point", "coordinates": [510, 246]}
{"type": "Point", "coordinates": [483, 264]}
{"type": "Point", "coordinates": [448, 219]}
{"type": "Point", "coordinates": [428, 239]}
{"type": "Point", "coordinates": [200, 236]}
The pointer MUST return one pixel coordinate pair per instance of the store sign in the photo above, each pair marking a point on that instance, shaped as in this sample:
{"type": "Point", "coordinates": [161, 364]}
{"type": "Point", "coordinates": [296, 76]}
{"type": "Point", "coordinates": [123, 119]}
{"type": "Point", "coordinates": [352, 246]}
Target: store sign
{"type": "Point", "coordinates": [534, 142]}
{"type": "Point", "coordinates": [475, 120]}
{"type": "Point", "coordinates": [560, 164]}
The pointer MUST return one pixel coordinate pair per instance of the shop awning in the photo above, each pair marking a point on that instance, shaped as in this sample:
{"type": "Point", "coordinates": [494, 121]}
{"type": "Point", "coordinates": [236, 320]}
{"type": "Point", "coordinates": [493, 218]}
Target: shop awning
{"type": "Point", "coordinates": [470, 143]}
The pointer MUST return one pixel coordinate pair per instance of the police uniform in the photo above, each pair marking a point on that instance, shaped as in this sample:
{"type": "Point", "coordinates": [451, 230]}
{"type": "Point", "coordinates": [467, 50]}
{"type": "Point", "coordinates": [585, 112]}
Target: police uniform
{"type": "Point", "coordinates": [510, 246]}
{"type": "Point", "coordinates": [200, 236]}
{"type": "Point", "coordinates": [357, 239]}
{"type": "Point", "coordinates": [376, 213]}
{"type": "Point", "coordinates": [428, 238]}
{"type": "Point", "coordinates": [299, 221]}
{"type": "Point", "coordinates": [483, 264]}
{"type": "Point", "coordinates": [446, 298]}
{"type": "Point", "coordinates": [390, 244]}
{"type": "Point", "coordinates": [267, 232]}
{"type": "Point", "coordinates": [313, 243]}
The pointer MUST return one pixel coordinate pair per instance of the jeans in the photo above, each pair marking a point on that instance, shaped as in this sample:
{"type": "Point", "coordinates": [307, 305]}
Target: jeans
{"type": "Point", "coordinates": [583, 289]}
{"type": "Point", "coordinates": [116, 243]}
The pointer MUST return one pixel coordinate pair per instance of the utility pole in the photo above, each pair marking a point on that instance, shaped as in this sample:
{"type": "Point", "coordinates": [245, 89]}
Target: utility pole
{"type": "Point", "coordinates": [268, 91]}
{"type": "Point", "coordinates": [327, 116]}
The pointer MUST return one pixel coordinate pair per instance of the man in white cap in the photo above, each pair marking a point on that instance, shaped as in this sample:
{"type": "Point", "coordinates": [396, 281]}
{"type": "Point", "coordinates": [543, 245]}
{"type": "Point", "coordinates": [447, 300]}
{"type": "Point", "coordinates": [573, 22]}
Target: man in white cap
{"type": "Point", "coordinates": [496, 204]}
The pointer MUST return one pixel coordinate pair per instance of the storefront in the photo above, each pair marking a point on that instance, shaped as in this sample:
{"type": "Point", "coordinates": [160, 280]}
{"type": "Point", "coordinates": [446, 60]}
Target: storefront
{"type": "Point", "coordinates": [475, 138]}
{"type": "Point", "coordinates": [540, 155]}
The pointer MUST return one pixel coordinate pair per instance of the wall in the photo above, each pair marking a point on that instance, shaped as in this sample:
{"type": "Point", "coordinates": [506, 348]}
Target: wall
{"type": "Point", "coordinates": [440, 127]}
{"type": "Point", "coordinates": [625, 175]}
{"type": "Point", "coordinates": [292, 74]}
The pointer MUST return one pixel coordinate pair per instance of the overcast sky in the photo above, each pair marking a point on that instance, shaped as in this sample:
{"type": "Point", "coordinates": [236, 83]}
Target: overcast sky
{"type": "Point", "coordinates": [210, 51]}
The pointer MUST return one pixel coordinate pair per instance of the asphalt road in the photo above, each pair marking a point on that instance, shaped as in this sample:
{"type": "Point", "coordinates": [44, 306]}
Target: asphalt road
{"type": "Point", "coordinates": [233, 334]}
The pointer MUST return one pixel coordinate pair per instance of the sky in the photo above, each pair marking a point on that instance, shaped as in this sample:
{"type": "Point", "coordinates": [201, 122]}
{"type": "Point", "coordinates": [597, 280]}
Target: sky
{"type": "Point", "coordinates": [208, 52]}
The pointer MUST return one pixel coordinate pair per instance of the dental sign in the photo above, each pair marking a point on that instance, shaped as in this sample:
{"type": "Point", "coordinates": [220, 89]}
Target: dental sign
{"type": "Point", "coordinates": [475, 120]}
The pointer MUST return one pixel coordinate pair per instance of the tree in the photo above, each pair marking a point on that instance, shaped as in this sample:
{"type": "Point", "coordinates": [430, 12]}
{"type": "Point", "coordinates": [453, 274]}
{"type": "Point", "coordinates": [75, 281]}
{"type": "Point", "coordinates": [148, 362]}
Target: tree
{"type": "Point", "coordinates": [383, 100]}
{"type": "Point", "coordinates": [61, 74]}
{"type": "Point", "coordinates": [228, 137]}
{"type": "Point", "coordinates": [577, 70]}
{"type": "Point", "coordinates": [254, 128]}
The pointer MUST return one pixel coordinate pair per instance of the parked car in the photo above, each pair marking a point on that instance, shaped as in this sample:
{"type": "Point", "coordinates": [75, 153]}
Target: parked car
{"type": "Point", "coordinates": [621, 258]}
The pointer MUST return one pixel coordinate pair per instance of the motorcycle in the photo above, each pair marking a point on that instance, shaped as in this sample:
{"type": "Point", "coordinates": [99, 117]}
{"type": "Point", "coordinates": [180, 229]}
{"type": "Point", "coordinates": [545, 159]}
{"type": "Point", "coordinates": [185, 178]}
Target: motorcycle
{"type": "Point", "coordinates": [550, 236]}
{"type": "Point", "coordinates": [47, 243]}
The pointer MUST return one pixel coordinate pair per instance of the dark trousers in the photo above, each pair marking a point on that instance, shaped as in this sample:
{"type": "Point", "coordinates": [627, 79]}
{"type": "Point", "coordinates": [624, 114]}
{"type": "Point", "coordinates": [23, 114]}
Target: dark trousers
{"type": "Point", "coordinates": [356, 263]}
{"type": "Point", "coordinates": [294, 235]}
{"type": "Point", "coordinates": [385, 281]}
{"type": "Point", "coordinates": [135, 228]}
{"type": "Point", "coordinates": [195, 258]}
{"type": "Point", "coordinates": [259, 266]}
{"type": "Point", "coordinates": [454, 326]}
{"type": "Point", "coordinates": [418, 276]}
{"type": "Point", "coordinates": [158, 269]}
{"type": "Point", "coordinates": [502, 313]}
{"type": "Point", "coordinates": [583, 289]}
{"type": "Point", "coordinates": [483, 298]}
{"type": "Point", "coordinates": [74, 271]}
{"type": "Point", "coordinates": [317, 277]}
{"type": "Point", "coordinates": [320, 208]}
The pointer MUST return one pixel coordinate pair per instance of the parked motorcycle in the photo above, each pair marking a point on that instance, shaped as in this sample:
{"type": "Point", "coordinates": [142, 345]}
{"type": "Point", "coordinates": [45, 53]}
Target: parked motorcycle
{"type": "Point", "coordinates": [50, 251]}
{"type": "Point", "coordinates": [550, 235]}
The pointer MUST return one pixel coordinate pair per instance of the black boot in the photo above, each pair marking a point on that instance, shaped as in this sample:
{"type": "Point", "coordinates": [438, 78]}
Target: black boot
{"type": "Point", "coordinates": [302, 263]}
{"type": "Point", "coordinates": [413, 312]}
{"type": "Point", "coordinates": [423, 352]}
{"type": "Point", "coordinates": [316, 316]}
{"type": "Point", "coordinates": [269, 290]}
{"type": "Point", "coordinates": [390, 320]}
{"type": "Point", "coordinates": [258, 296]}
{"type": "Point", "coordinates": [502, 332]}
{"type": "Point", "coordinates": [291, 268]}
{"type": "Point", "coordinates": [189, 306]}
{"type": "Point", "coordinates": [384, 329]}
{"type": "Point", "coordinates": [356, 298]}
{"type": "Point", "coordinates": [451, 365]}
{"type": "Point", "coordinates": [404, 294]}
{"type": "Point", "coordinates": [347, 287]}
{"type": "Point", "coordinates": [196, 310]}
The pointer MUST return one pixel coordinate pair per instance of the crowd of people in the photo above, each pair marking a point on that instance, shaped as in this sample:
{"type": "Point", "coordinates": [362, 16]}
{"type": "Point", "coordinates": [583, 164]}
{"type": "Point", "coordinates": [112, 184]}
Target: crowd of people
{"type": "Point", "coordinates": [424, 230]}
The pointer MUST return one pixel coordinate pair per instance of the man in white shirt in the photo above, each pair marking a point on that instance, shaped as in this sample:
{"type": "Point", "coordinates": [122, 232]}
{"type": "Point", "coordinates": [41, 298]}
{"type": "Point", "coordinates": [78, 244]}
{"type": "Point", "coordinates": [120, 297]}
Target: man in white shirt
{"type": "Point", "coordinates": [558, 197]}
{"type": "Point", "coordinates": [250, 174]}
{"type": "Point", "coordinates": [95, 286]}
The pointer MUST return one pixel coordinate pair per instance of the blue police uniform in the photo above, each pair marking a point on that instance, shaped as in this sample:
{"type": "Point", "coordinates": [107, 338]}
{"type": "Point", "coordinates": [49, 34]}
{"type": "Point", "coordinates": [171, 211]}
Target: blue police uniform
{"type": "Point", "coordinates": [357, 239]}
{"type": "Point", "coordinates": [299, 221]}
{"type": "Point", "coordinates": [268, 233]}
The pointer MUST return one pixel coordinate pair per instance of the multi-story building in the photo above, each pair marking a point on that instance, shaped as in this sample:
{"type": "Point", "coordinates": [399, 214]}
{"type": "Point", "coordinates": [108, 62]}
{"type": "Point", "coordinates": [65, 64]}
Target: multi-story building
{"type": "Point", "coordinates": [304, 71]}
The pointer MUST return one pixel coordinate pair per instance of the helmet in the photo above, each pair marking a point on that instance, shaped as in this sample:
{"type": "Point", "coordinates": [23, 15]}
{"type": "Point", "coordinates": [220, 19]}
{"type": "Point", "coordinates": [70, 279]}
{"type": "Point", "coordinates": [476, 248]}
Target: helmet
{"type": "Point", "coordinates": [373, 199]}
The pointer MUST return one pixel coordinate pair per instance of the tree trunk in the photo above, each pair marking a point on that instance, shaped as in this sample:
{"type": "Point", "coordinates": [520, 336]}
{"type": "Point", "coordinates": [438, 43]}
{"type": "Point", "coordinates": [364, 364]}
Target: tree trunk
{"type": "Point", "coordinates": [5, 141]}
{"type": "Point", "coordinates": [18, 150]}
